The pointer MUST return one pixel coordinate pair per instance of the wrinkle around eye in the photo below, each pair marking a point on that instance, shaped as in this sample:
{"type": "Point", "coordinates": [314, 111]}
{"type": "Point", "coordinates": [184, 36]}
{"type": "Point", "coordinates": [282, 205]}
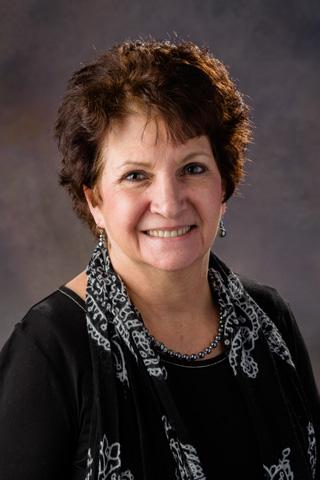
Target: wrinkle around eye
{"type": "Point", "coordinates": [203, 168]}
{"type": "Point", "coordinates": [133, 180]}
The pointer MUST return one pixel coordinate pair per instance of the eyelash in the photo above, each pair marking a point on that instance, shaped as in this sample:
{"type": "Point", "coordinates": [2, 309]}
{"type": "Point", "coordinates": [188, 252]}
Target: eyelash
{"type": "Point", "coordinates": [203, 167]}
{"type": "Point", "coordinates": [138, 172]}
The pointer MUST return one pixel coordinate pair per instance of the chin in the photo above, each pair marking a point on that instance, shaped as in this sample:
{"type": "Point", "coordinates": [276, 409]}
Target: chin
{"type": "Point", "coordinates": [173, 263]}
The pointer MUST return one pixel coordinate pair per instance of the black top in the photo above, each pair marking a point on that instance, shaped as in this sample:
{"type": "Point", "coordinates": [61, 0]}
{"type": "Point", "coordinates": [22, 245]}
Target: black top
{"type": "Point", "coordinates": [46, 395]}
{"type": "Point", "coordinates": [213, 409]}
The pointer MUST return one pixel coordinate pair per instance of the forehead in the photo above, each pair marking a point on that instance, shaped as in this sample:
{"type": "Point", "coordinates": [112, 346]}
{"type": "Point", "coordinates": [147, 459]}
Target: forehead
{"type": "Point", "coordinates": [138, 137]}
{"type": "Point", "coordinates": [138, 128]}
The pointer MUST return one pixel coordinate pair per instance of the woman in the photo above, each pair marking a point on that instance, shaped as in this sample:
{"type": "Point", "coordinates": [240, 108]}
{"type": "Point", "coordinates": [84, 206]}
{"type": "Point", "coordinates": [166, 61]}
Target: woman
{"type": "Point", "coordinates": [157, 362]}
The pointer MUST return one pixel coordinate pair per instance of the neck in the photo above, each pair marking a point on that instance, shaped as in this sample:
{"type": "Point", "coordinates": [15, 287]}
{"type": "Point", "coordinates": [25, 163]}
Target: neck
{"type": "Point", "coordinates": [173, 300]}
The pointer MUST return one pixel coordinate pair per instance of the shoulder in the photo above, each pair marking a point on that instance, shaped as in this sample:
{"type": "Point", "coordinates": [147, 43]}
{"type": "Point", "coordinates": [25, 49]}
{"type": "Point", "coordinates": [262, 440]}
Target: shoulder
{"type": "Point", "coordinates": [56, 327]}
{"type": "Point", "coordinates": [266, 296]}
{"type": "Point", "coordinates": [277, 308]}
{"type": "Point", "coordinates": [61, 312]}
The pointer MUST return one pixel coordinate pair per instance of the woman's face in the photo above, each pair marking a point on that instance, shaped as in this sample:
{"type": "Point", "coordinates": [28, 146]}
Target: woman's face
{"type": "Point", "coordinates": [160, 203]}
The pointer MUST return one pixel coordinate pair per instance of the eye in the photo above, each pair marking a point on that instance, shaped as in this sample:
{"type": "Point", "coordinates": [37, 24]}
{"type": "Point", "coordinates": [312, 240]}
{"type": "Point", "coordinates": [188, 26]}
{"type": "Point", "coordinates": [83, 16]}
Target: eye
{"type": "Point", "coordinates": [135, 176]}
{"type": "Point", "coordinates": [195, 169]}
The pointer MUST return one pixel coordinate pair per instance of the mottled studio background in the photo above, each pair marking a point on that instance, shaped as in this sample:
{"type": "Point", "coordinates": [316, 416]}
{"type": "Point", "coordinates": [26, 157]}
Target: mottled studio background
{"type": "Point", "coordinates": [272, 51]}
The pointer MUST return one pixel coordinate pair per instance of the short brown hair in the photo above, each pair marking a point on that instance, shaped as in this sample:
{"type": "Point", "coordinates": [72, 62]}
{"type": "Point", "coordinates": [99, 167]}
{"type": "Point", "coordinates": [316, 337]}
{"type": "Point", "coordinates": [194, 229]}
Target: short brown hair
{"type": "Point", "coordinates": [183, 83]}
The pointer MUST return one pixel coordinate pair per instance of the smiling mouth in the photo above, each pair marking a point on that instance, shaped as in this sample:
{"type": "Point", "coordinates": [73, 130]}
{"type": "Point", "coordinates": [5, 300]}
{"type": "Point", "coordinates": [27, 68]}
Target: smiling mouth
{"type": "Point", "coordinates": [170, 233]}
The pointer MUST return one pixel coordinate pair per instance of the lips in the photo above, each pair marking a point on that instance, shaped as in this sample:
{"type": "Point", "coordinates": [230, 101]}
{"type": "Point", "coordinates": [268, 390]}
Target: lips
{"type": "Point", "coordinates": [169, 232]}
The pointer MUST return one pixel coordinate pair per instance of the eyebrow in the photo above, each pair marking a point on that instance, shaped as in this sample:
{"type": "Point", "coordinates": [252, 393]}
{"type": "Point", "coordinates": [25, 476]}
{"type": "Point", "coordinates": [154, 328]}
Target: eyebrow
{"type": "Point", "coordinates": [146, 164]}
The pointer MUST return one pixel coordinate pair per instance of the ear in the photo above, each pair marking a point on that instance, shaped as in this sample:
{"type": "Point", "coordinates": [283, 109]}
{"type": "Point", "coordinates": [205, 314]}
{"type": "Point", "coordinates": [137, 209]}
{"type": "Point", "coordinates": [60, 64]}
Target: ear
{"type": "Point", "coordinates": [94, 205]}
{"type": "Point", "coordinates": [223, 208]}
{"type": "Point", "coordinates": [223, 204]}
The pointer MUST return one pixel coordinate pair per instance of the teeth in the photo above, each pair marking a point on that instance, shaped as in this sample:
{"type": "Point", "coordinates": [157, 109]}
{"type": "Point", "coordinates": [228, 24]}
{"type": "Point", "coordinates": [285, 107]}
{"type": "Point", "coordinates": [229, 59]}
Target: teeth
{"type": "Point", "coordinates": [169, 234]}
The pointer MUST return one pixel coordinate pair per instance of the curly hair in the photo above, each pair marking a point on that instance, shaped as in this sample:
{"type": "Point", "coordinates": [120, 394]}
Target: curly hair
{"type": "Point", "coordinates": [183, 83]}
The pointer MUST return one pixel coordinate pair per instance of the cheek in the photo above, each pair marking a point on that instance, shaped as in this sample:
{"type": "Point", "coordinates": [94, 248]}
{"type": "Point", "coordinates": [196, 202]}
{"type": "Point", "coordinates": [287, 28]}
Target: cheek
{"type": "Point", "coordinates": [123, 212]}
{"type": "Point", "coordinates": [209, 202]}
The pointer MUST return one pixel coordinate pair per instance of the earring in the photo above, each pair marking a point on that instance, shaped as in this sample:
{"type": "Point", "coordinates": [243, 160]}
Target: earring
{"type": "Point", "coordinates": [101, 238]}
{"type": "Point", "coordinates": [222, 229]}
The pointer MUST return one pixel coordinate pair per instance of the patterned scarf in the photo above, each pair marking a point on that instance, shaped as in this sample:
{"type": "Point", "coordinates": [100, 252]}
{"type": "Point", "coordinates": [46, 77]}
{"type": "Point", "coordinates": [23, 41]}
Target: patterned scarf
{"type": "Point", "coordinates": [136, 431]}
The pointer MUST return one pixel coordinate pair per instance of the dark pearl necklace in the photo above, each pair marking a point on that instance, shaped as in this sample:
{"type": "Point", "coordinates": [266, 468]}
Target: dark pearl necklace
{"type": "Point", "coordinates": [160, 346]}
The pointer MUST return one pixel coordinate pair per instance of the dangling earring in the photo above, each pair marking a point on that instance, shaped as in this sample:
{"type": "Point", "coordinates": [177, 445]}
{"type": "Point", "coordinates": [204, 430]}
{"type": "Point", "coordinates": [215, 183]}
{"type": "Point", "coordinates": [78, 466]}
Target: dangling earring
{"type": "Point", "coordinates": [222, 229]}
{"type": "Point", "coordinates": [101, 238]}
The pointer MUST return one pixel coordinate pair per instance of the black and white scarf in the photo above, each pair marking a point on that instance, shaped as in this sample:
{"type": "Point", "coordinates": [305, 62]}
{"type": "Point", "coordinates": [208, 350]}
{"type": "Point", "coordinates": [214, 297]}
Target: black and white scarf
{"type": "Point", "coordinates": [136, 431]}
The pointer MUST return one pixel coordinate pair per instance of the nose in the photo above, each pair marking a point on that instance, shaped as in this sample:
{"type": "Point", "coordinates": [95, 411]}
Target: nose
{"type": "Point", "coordinates": [168, 197]}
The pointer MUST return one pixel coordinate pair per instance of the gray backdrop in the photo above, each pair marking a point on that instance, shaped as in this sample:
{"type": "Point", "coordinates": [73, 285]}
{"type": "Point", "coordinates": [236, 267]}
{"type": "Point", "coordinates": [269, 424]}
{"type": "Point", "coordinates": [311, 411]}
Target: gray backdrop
{"type": "Point", "coordinates": [272, 50]}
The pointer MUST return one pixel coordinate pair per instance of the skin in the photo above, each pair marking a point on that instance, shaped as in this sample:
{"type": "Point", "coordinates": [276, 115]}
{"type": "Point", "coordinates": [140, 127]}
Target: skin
{"type": "Point", "coordinates": [177, 185]}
